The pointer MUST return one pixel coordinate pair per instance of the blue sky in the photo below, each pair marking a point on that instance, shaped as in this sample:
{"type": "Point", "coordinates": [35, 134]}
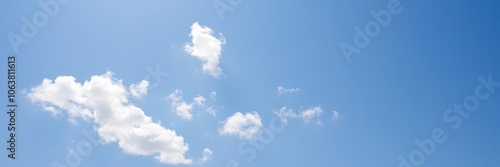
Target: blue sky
{"type": "Point", "coordinates": [265, 83]}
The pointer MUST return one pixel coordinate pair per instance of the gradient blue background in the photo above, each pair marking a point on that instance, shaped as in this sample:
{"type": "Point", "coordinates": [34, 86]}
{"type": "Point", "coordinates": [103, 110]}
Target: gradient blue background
{"type": "Point", "coordinates": [394, 92]}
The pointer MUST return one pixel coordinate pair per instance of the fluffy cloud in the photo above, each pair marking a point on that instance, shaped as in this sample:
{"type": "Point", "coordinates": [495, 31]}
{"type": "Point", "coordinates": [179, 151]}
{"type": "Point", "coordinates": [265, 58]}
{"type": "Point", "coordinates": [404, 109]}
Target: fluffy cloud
{"type": "Point", "coordinates": [139, 90]}
{"type": "Point", "coordinates": [307, 115]}
{"type": "Point", "coordinates": [246, 126]}
{"type": "Point", "coordinates": [206, 47]}
{"type": "Point", "coordinates": [103, 99]}
{"type": "Point", "coordinates": [282, 90]}
{"type": "Point", "coordinates": [181, 108]}
{"type": "Point", "coordinates": [62, 94]}
{"type": "Point", "coordinates": [184, 110]}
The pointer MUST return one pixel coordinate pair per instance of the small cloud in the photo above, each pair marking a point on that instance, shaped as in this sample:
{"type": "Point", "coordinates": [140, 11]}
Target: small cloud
{"type": "Point", "coordinates": [181, 108]}
{"type": "Point", "coordinates": [184, 109]}
{"type": "Point", "coordinates": [335, 115]}
{"type": "Point", "coordinates": [246, 126]}
{"type": "Point", "coordinates": [212, 111]}
{"type": "Point", "coordinates": [199, 100]}
{"type": "Point", "coordinates": [207, 154]}
{"type": "Point", "coordinates": [285, 113]}
{"type": "Point", "coordinates": [282, 90]}
{"type": "Point", "coordinates": [139, 90]}
{"type": "Point", "coordinates": [213, 95]}
{"type": "Point", "coordinates": [313, 113]}
{"type": "Point", "coordinates": [206, 47]}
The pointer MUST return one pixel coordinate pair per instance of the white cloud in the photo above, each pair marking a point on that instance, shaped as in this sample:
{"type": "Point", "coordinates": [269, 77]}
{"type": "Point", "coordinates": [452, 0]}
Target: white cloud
{"type": "Point", "coordinates": [282, 90]}
{"type": "Point", "coordinates": [212, 111]}
{"type": "Point", "coordinates": [103, 99]}
{"type": "Point", "coordinates": [206, 47]}
{"type": "Point", "coordinates": [213, 95]}
{"type": "Point", "coordinates": [285, 113]}
{"type": "Point", "coordinates": [199, 100]}
{"type": "Point", "coordinates": [207, 154]}
{"type": "Point", "coordinates": [335, 115]}
{"type": "Point", "coordinates": [246, 126]}
{"type": "Point", "coordinates": [311, 113]}
{"type": "Point", "coordinates": [62, 94]}
{"type": "Point", "coordinates": [183, 109]}
{"type": "Point", "coordinates": [140, 89]}
{"type": "Point", "coordinates": [307, 115]}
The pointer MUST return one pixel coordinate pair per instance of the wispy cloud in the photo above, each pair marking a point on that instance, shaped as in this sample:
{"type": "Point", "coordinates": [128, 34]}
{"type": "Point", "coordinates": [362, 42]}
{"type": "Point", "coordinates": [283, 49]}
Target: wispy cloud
{"type": "Point", "coordinates": [207, 154]}
{"type": "Point", "coordinates": [183, 109]}
{"type": "Point", "coordinates": [308, 115]}
{"type": "Point", "coordinates": [213, 95]}
{"type": "Point", "coordinates": [336, 115]}
{"type": "Point", "coordinates": [284, 114]}
{"type": "Point", "coordinates": [282, 90]}
{"type": "Point", "coordinates": [212, 111]}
